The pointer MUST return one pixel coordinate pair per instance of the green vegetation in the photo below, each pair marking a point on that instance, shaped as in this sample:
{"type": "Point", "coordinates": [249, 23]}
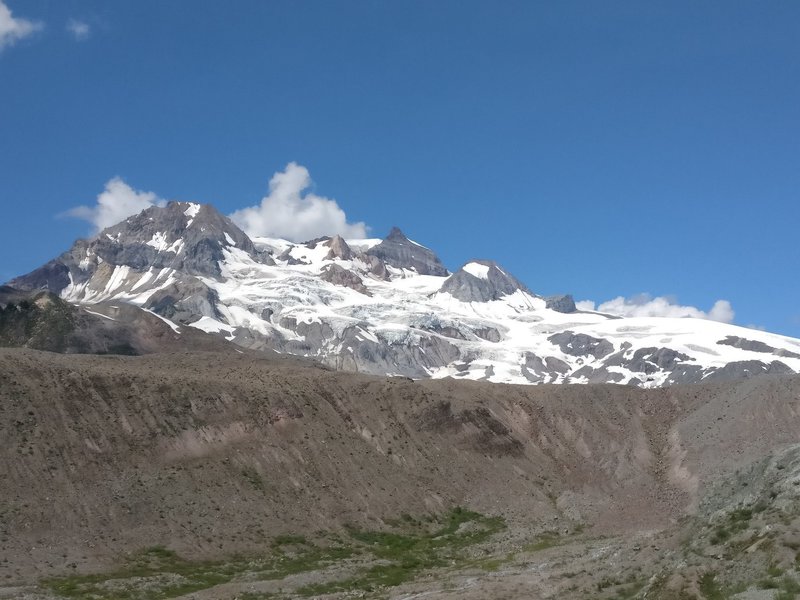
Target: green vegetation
{"type": "Point", "coordinates": [710, 587]}
{"type": "Point", "coordinates": [43, 322]}
{"type": "Point", "coordinates": [738, 520]}
{"type": "Point", "coordinates": [629, 591]}
{"type": "Point", "coordinates": [545, 540]}
{"type": "Point", "coordinates": [407, 554]}
{"type": "Point", "coordinates": [158, 573]}
{"type": "Point", "coordinates": [391, 558]}
{"type": "Point", "coordinates": [253, 478]}
{"type": "Point", "coordinates": [788, 588]}
{"type": "Point", "coordinates": [167, 576]}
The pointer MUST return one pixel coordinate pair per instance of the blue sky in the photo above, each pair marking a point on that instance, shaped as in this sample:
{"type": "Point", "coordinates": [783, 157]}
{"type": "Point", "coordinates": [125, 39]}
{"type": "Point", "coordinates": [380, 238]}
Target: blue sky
{"type": "Point", "coordinates": [601, 149]}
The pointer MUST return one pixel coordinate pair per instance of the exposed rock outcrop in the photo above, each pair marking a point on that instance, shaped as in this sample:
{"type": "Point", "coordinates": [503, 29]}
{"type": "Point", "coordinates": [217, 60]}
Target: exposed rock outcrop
{"type": "Point", "coordinates": [339, 249]}
{"type": "Point", "coordinates": [400, 252]}
{"type": "Point", "coordinates": [481, 281]}
{"type": "Point", "coordinates": [580, 344]}
{"type": "Point", "coordinates": [564, 303]}
{"type": "Point", "coordinates": [338, 275]}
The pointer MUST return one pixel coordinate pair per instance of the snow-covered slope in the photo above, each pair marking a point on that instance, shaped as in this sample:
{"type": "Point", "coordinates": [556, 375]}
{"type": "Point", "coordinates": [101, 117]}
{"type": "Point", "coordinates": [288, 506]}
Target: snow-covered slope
{"type": "Point", "coordinates": [389, 307]}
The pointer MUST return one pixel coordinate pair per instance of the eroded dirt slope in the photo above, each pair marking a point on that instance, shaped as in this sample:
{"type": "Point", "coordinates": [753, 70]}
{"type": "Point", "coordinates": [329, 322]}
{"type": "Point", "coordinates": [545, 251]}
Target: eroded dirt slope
{"type": "Point", "coordinates": [217, 454]}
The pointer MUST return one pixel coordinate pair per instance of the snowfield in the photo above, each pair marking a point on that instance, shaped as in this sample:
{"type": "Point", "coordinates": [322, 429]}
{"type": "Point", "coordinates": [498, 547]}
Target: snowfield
{"type": "Point", "coordinates": [363, 305]}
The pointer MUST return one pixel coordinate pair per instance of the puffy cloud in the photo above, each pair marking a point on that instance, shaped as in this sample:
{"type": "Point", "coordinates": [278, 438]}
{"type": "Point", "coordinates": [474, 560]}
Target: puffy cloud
{"type": "Point", "coordinates": [79, 30]}
{"type": "Point", "coordinates": [292, 213]}
{"type": "Point", "coordinates": [14, 29]}
{"type": "Point", "coordinates": [117, 202]}
{"type": "Point", "coordinates": [645, 305]}
{"type": "Point", "coordinates": [721, 311]}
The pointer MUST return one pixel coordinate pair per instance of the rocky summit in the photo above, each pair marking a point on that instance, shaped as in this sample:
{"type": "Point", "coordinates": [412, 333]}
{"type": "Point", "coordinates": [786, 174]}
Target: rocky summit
{"type": "Point", "coordinates": [379, 306]}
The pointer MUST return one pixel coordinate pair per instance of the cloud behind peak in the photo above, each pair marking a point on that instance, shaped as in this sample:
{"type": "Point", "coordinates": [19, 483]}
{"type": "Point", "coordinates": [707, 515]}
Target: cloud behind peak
{"type": "Point", "coordinates": [115, 203]}
{"type": "Point", "coordinates": [291, 212]}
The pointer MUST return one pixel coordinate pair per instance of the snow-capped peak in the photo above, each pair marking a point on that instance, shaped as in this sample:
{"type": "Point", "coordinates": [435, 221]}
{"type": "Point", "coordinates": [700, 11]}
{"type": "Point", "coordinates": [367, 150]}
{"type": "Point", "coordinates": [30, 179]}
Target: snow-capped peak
{"type": "Point", "coordinates": [388, 307]}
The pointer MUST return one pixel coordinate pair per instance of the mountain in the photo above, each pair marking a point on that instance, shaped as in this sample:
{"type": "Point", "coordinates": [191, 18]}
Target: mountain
{"type": "Point", "coordinates": [386, 307]}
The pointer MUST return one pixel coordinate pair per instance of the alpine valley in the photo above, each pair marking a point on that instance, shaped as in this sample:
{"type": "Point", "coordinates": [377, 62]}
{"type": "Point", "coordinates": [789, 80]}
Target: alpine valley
{"type": "Point", "coordinates": [170, 275]}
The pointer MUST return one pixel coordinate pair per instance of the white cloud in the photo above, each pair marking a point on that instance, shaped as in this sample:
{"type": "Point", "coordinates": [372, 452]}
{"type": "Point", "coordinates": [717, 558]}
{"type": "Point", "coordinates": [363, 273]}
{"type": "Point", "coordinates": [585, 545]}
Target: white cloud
{"type": "Point", "coordinates": [14, 29]}
{"type": "Point", "coordinates": [289, 213]}
{"type": "Point", "coordinates": [645, 305]}
{"type": "Point", "coordinates": [116, 203]}
{"type": "Point", "coordinates": [79, 30]}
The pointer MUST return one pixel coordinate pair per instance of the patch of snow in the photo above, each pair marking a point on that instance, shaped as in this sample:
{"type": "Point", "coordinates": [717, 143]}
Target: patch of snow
{"type": "Point", "coordinates": [176, 246]}
{"type": "Point", "coordinates": [158, 241]}
{"type": "Point", "coordinates": [144, 279]}
{"type": "Point", "coordinates": [191, 212]}
{"type": "Point", "coordinates": [117, 278]}
{"type": "Point", "coordinates": [477, 270]}
{"type": "Point", "coordinates": [210, 325]}
{"type": "Point", "coordinates": [172, 325]}
{"type": "Point", "coordinates": [91, 312]}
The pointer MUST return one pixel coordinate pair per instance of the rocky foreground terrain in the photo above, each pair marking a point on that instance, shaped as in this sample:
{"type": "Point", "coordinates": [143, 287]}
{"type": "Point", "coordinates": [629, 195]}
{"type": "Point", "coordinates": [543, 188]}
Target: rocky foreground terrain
{"type": "Point", "coordinates": [235, 474]}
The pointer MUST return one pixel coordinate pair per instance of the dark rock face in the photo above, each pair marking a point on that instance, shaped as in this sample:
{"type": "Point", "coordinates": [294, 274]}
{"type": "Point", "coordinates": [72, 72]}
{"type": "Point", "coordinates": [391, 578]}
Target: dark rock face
{"type": "Point", "coordinates": [685, 373]}
{"type": "Point", "coordinates": [410, 358]}
{"type": "Point", "coordinates": [398, 251]}
{"type": "Point", "coordinates": [316, 333]}
{"type": "Point", "coordinates": [580, 344]}
{"type": "Point", "coordinates": [597, 375]}
{"type": "Point", "coordinates": [467, 287]}
{"type": "Point", "coordinates": [181, 236]}
{"type": "Point", "coordinates": [185, 301]}
{"type": "Point", "coordinates": [43, 321]}
{"type": "Point", "coordinates": [562, 304]}
{"type": "Point", "coordinates": [445, 330]}
{"type": "Point", "coordinates": [490, 334]}
{"type": "Point", "coordinates": [376, 267]}
{"type": "Point", "coordinates": [286, 256]}
{"type": "Point", "coordinates": [151, 239]}
{"type": "Point", "coordinates": [755, 346]}
{"type": "Point", "coordinates": [339, 249]}
{"type": "Point", "coordinates": [645, 359]}
{"type": "Point", "coordinates": [538, 370]}
{"type": "Point", "coordinates": [338, 275]}
{"type": "Point", "coordinates": [748, 368]}
{"type": "Point", "coordinates": [52, 277]}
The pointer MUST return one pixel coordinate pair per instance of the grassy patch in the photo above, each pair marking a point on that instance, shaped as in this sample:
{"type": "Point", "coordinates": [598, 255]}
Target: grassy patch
{"type": "Point", "coordinates": [393, 557]}
{"type": "Point", "coordinates": [253, 478]}
{"type": "Point", "coordinates": [158, 573]}
{"type": "Point", "coordinates": [406, 554]}
{"type": "Point", "coordinates": [543, 542]}
{"type": "Point", "coordinates": [629, 591]}
{"type": "Point", "coordinates": [710, 587]}
{"type": "Point", "coordinates": [153, 574]}
{"type": "Point", "coordinates": [737, 521]}
{"type": "Point", "coordinates": [788, 588]}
